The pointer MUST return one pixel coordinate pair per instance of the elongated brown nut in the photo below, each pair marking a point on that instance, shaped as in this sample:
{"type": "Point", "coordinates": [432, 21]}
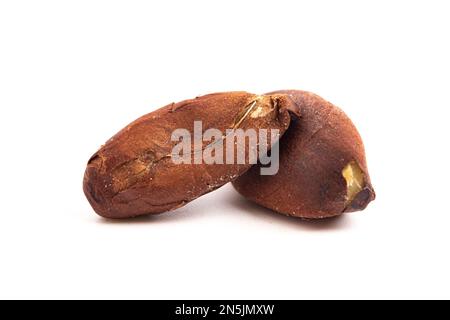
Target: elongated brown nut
{"type": "Point", "coordinates": [134, 173]}
{"type": "Point", "coordinates": [323, 170]}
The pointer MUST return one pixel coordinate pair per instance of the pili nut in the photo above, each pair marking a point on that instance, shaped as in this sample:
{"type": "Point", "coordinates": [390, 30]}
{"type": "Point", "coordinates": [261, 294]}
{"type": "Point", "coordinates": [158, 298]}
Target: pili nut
{"type": "Point", "coordinates": [134, 174]}
{"type": "Point", "coordinates": [323, 171]}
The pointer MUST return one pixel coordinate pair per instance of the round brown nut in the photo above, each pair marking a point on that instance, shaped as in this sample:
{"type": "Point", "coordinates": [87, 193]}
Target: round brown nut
{"type": "Point", "coordinates": [134, 173]}
{"type": "Point", "coordinates": [323, 170]}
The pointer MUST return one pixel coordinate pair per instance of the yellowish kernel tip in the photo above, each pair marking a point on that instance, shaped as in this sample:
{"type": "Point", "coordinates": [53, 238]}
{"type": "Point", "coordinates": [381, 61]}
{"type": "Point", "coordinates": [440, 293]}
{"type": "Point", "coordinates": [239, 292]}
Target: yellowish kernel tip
{"type": "Point", "coordinates": [354, 178]}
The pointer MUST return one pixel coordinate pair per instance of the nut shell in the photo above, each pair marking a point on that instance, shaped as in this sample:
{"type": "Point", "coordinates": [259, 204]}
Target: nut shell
{"type": "Point", "coordinates": [133, 173]}
{"type": "Point", "coordinates": [313, 155]}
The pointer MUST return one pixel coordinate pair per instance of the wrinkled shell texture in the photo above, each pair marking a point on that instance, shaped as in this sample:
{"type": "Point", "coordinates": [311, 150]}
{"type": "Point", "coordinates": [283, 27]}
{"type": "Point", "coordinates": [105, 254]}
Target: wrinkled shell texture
{"type": "Point", "coordinates": [133, 173]}
{"type": "Point", "coordinates": [313, 153]}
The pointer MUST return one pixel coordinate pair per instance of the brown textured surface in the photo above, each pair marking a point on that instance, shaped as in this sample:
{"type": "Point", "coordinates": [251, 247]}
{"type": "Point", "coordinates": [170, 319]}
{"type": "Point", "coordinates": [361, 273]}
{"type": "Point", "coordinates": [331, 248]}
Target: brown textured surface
{"type": "Point", "coordinates": [133, 173]}
{"type": "Point", "coordinates": [313, 153]}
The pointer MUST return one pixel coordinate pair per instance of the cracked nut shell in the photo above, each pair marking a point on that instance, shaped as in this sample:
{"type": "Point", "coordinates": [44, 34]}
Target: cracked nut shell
{"type": "Point", "coordinates": [323, 170]}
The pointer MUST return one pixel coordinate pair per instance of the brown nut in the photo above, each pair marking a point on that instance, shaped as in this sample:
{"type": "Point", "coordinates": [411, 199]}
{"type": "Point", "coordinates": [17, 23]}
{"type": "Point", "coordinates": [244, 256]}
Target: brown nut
{"type": "Point", "coordinates": [134, 173]}
{"type": "Point", "coordinates": [323, 170]}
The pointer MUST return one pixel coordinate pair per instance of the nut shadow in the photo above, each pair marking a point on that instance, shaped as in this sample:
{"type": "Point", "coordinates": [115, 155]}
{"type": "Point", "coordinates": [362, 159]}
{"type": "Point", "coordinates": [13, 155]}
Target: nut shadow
{"type": "Point", "coordinates": [236, 205]}
{"type": "Point", "coordinates": [250, 208]}
{"type": "Point", "coordinates": [185, 212]}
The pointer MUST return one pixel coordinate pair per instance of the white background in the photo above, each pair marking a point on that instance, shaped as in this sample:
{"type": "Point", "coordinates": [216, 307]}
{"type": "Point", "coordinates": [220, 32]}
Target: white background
{"type": "Point", "coordinates": [72, 73]}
